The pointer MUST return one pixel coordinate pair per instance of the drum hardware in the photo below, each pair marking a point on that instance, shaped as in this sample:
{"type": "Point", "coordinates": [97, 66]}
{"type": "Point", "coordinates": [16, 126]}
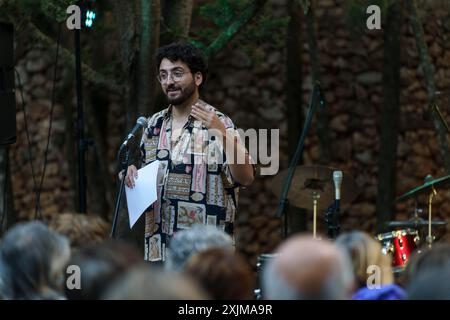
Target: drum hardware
{"type": "Point", "coordinates": [415, 223]}
{"type": "Point", "coordinates": [429, 185]}
{"type": "Point", "coordinates": [311, 184]}
{"type": "Point", "coordinates": [430, 237]}
{"type": "Point", "coordinates": [315, 197]}
{"type": "Point", "coordinates": [260, 264]}
{"type": "Point", "coordinates": [399, 244]}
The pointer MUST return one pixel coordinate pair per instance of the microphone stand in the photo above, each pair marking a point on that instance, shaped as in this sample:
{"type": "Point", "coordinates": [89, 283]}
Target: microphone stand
{"type": "Point", "coordinates": [329, 221]}
{"type": "Point", "coordinates": [82, 142]}
{"type": "Point", "coordinates": [441, 117]}
{"type": "Point", "coordinates": [123, 167]}
{"type": "Point", "coordinates": [332, 218]}
{"type": "Point", "coordinates": [298, 152]}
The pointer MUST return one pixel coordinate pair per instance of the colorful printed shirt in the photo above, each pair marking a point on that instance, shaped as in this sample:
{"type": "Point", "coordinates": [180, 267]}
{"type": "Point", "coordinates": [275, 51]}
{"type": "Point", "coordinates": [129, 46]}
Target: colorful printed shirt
{"type": "Point", "coordinates": [194, 183]}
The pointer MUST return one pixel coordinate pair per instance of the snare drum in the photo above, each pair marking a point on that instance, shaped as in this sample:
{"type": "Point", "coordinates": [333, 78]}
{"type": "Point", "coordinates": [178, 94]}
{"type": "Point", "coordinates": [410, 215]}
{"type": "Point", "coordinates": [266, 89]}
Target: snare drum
{"type": "Point", "coordinates": [399, 244]}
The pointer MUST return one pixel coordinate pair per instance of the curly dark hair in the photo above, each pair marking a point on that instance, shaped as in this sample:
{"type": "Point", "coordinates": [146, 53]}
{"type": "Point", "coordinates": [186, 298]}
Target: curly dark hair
{"type": "Point", "coordinates": [187, 53]}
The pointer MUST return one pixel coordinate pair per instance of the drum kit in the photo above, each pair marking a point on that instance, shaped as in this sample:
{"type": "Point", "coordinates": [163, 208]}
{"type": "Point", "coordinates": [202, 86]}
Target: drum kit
{"type": "Point", "coordinates": [312, 188]}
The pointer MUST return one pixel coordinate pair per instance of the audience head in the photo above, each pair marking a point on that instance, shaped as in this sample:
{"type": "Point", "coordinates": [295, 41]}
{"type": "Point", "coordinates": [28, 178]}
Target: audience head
{"type": "Point", "coordinates": [99, 266]}
{"type": "Point", "coordinates": [147, 282]}
{"type": "Point", "coordinates": [437, 256]}
{"type": "Point", "coordinates": [306, 268]}
{"type": "Point", "coordinates": [189, 241]}
{"type": "Point", "coordinates": [223, 273]}
{"type": "Point", "coordinates": [81, 229]}
{"type": "Point", "coordinates": [364, 252]}
{"type": "Point", "coordinates": [33, 260]}
{"type": "Point", "coordinates": [430, 283]}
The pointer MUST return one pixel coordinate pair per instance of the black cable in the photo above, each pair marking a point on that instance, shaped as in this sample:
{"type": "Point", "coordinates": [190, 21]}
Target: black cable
{"type": "Point", "coordinates": [52, 107]}
{"type": "Point", "coordinates": [5, 193]}
{"type": "Point", "coordinates": [30, 158]}
{"type": "Point", "coordinates": [38, 209]}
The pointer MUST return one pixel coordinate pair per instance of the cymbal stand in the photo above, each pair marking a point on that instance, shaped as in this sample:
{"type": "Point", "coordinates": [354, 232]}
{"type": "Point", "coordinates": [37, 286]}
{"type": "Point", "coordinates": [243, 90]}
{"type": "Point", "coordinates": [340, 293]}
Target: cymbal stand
{"type": "Point", "coordinates": [430, 237]}
{"type": "Point", "coordinates": [315, 197]}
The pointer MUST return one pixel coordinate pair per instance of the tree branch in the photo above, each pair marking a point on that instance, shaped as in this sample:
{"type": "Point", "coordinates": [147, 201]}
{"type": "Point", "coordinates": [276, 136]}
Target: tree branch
{"type": "Point", "coordinates": [229, 33]}
{"type": "Point", "coordinates": [89, 74]}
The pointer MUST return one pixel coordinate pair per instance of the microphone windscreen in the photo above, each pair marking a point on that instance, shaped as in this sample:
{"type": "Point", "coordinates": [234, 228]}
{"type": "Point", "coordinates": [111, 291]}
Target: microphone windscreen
{"type": "Point", "coordinates": [142, 121]}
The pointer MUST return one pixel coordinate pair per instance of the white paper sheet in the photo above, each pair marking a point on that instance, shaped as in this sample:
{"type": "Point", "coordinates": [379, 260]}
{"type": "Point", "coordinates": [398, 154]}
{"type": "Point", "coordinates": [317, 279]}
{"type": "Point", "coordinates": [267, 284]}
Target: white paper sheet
{"type": "Point", "coordinates": [144, 192]}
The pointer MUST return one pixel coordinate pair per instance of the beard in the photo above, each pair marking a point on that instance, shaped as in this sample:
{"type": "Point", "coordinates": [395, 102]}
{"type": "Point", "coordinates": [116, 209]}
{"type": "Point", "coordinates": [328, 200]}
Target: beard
{"type": "Point", "coordinates": [182, 94]}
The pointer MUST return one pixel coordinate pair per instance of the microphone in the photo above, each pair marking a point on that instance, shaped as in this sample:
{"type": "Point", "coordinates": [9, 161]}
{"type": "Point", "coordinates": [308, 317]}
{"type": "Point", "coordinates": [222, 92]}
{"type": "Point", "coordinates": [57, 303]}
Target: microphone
{"type": "Point", "coordinates": [140, 122]}
{"type": "Point", "coordinates": [337, 179]}
{"type": "Point", "coordinates": [322, 101]}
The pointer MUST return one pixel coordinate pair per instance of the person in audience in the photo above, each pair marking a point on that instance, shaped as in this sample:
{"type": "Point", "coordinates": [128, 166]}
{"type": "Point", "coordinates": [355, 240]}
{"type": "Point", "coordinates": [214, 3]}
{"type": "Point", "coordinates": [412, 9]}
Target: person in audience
{"type": "Point", "coordinates": [33, 259]}
{"type": "Point", "coordinates": [99, 266]}
{"type": "Point", "coordinates": [223, 273]}
{"type": "Point", "coordinates": [148, 282]}
{"type": "Point", "coordinates": [307, 269]}
{"type": "Point", "coordinates": [430, 283]}
{"type": "Point", "coordinates": [437, 256]}
{"type": "Point", "coordinates": [189, 241]}
{"type": "Point", "coordinates": [372, 269]}
{"type": "Point", "coordinates": [81, 229]}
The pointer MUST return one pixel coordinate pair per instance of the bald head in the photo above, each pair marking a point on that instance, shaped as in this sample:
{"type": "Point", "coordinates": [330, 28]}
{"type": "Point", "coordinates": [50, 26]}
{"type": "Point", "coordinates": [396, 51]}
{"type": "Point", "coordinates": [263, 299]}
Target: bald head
{"type": "Point", "coordinates": [308, 269]}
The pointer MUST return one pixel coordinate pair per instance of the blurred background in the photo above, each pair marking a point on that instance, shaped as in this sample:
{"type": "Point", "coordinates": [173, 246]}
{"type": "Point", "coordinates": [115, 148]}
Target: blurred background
{"type": "Point", "coordinates": [378, 125]}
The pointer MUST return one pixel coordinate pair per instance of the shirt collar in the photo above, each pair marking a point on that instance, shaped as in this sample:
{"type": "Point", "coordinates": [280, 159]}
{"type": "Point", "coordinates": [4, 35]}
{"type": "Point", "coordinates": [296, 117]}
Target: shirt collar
{"type": "Point", "coordinates": [167, 114]}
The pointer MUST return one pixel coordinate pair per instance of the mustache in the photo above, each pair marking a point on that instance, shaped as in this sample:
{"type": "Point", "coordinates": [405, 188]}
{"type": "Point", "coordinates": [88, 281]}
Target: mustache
{"type": "Point", "coordinates": [172, 87]}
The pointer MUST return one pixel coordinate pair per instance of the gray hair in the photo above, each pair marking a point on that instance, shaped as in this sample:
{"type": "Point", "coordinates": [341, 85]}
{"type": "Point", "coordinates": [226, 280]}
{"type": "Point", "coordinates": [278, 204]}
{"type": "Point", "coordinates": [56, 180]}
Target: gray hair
{"type": "Point", "coordinates": [335, 287]}
{"type": "Point", "coordinates": [198, 238]}
{"type": "Point", "coordinates": [32, 258]}
{"type": "Point", "coordinates": [153, 283]}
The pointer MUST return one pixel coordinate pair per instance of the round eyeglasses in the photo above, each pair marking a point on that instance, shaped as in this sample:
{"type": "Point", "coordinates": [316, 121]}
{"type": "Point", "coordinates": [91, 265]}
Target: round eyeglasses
{"type": "Point", "coordinates": [176, 76]}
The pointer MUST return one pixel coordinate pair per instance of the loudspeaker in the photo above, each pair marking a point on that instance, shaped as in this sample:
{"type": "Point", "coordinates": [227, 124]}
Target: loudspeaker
{"type": "Point", "coordinates": [7, 87]}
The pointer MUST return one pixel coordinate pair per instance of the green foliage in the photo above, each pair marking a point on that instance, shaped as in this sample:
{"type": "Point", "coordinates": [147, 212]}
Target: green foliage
{"type": "Point", "coordinates": [265, 30]}
{"type": "Point", "coordinates": [305, 4]}
{"type": "Point", "coordinates": [56, 8]}
{"type": "Point", "coordinates": [356, 13]}
{"type": "Point", "coordinates": [52, 9]}
{"type": "Point", "coordinates": [223, 12]}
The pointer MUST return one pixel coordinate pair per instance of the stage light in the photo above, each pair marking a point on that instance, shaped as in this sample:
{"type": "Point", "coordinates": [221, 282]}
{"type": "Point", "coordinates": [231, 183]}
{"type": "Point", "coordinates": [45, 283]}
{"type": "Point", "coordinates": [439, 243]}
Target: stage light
{"type": "Point", "coordinates": [90, 17]}
{"type": "Point", "coordinates": [89, 13]}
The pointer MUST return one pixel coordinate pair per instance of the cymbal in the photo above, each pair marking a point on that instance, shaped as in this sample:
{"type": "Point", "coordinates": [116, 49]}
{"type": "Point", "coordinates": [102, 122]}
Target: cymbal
{"type": "Point", "coordinates": [429, 182]}
{"type": "Point", "coordinates": [415, 223]}
{"type": "Point", "coordinates": [308, 180]}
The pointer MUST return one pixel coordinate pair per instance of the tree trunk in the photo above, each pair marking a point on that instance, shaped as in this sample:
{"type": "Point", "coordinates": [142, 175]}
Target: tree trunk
{"type": "Point", "coordinates": [429, 80]}
{"type": "Point", "coordinates": [387, 161]}
{"type": "Point", "coordinates": [100, 187]}
{"type": "Point", "coordinates": [177, 20]}
{"type": "Point", "coordinates": [323, 131]}
{"type": "Point", "coordinates": [148, 42]}
{"type": "Point", "coordinates": [296, 216]}
{"type": "Point", "coordinates": [125, 13]}
{"type": "Point", "coordinates": [69, 139]}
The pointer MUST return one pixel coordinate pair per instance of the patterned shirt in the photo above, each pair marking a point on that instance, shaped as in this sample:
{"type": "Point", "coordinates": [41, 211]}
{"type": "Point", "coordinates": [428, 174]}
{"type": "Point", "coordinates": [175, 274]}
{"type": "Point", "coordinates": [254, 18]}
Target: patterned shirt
{"type": "Point", "coordinates": [194, 183]}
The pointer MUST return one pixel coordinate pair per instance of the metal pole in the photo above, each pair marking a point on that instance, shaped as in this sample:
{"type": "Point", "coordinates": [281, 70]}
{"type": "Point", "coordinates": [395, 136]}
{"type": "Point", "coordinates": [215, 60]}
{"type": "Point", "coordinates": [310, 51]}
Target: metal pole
{"type": "Point", "coordinates": [80, 127]}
